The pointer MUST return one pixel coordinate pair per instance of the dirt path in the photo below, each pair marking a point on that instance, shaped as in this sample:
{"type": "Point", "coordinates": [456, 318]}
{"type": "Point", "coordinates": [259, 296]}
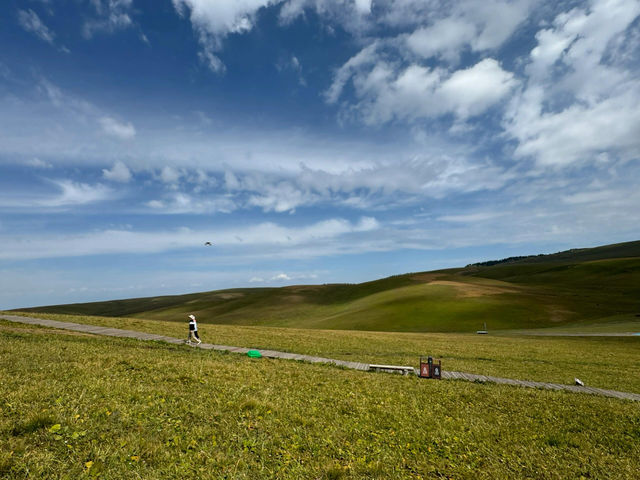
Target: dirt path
{"type": "Point", "coordinates": [470, 377]}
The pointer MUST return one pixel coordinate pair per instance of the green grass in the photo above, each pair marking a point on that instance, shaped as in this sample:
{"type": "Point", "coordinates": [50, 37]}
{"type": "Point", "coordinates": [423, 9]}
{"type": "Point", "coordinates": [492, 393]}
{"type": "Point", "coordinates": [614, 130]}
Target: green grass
{"type": "Point", "coordinates": [78, 406]}
{"type": "Point", "coordinates": [613, 324]}
{"type": "Point", "coordinates": [611, 362]}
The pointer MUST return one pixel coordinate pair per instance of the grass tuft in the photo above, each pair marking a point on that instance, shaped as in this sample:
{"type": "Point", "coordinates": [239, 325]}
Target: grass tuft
{"type": "Point", "coordinates": [333, 472]}
{"type": "Point", "coordinates": [37, 422]}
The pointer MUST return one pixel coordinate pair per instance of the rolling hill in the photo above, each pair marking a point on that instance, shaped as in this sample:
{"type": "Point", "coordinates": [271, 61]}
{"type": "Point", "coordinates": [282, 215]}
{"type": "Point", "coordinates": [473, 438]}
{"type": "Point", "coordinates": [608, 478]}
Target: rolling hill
{"type": "Point", "coordinates": [578, 286]}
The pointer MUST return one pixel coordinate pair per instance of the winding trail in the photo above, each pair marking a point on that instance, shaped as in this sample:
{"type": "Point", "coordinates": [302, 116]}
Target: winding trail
{"type": "Point", "coordinates": [470, 377]}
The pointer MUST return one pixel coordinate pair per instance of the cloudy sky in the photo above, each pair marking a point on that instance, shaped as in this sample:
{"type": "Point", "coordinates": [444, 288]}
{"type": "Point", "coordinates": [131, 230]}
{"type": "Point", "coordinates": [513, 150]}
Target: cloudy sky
{"type": "Point", "coordinates": [311, 141]}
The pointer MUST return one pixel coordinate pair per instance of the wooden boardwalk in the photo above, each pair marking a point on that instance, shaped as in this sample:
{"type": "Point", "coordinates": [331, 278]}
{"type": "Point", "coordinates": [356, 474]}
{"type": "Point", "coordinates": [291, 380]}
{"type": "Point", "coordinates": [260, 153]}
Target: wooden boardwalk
{"type": "Point", "coordinates": [470, 377]}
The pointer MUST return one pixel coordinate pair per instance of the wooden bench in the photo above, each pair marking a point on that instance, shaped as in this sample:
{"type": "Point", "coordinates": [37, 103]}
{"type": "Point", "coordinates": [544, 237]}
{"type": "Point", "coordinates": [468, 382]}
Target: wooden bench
{"type": "Point", "coordinates": [392, 369]}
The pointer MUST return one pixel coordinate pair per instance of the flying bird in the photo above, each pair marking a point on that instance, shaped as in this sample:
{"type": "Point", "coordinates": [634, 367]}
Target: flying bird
{"type": "Point", "coordinates": [208, 244]}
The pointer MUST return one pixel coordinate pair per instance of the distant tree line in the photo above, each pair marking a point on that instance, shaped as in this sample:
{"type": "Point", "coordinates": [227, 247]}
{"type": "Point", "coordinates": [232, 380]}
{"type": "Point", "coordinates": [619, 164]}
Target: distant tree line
{"type": "Point", "coordinates": [574, 254]}
{"type": "Point", "coordinates": [506, 260]}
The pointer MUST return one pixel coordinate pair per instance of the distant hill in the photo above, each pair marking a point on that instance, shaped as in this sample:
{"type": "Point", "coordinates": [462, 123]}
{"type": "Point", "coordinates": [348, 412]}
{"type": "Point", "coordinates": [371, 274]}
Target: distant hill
{"type": "Point", "coordinates": [617, 250]}
{"type": "Point", "coordinates": [593, 285]}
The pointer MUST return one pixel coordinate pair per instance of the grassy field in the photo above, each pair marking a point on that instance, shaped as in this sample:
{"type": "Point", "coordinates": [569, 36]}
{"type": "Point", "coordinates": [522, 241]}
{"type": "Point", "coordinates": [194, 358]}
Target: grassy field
{"type": "Point", "coordinates": [79, 406]}
{"type": "Point", "coordinates": [575, 288]}
{"type": "Point", "coordinates": [611, 362]}
{"type": "Point", "coordinates": [624, 323]}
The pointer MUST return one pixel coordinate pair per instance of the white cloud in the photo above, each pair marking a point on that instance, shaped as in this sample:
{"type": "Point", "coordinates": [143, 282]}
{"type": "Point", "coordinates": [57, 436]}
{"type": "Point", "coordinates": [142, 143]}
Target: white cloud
{"type": "Point", "coordinates": [471, 217]}
{"type": "Point", "coordinates": [473, 90]}
{"type": "Point", "coordinates": [580, 132]}
{"type": "Point", "coordinates": [274, 170]}
{"type": "Point", "coordinates": [31, 22]}
{"type": "Point", "coordinates": [592, 196]}
{"type": "Point", "coordinates": [281, 197]}
{"type": "Point", "coordinates": [293, 64]}
{"type": "Point", "coordinates": [382, 184]}
{"type": "Point", "coordinates": [214, 20]}
{"type": "Point", "coordinates": [72, 105]}
{"type": "Point", "coordinates": [577, 103]}
{"type": "Point", "coordinates": [410, 75]}
{"type": "Point", "coordinates": [121, 130]}
{"type": "Point", "coordinates": [74, 193]}
{"type": "Point", "coordinates": [37, 163]}
{"type": "Point", "coordinates": [431, 28]}
{"type": "Point", "coordinates": [118, 173]}
{"type": "Point", "coordinates": [209, 58]}
{"type": "Point", "coordinates": [157, 204]}
{"type": "Point", "coordinates": [363, 6]}
{"type": "Point", "coordinates": [281, 277]}
{"type": "Point", "coordinates": [445, 38]}
{"type": "Point", "coordinates": [353, 15]}
{"type": "Point", "coordinates": [67, 195]}
{"type": "Point", "coordinates": [278, 278]}
{"type": "Point", "coordinates": [170, 175]}
{"type": "Point", "coordinates": [377, 184]}
{"type": "Point", "coordinates": [231, 181]}
{"type": "Point", "coordinates": [113, 15]}
{"type": "Point", "coordinates": [69, 129]}
{"type": "Point", "coordinates": [551, 215]}
{"type": "Point", "coordinates": [551, 45]}
{"type": "Point", "coordinates": [493, 20]}
{"type": "Point", "coordinates": [273, 234]}
{"type": "Point", "coordinates": [221, 17]}
{"type": "Point", "coordinates": [178, 202]}
{"type": "Point", "coordinates": [385, 93]}
{"type": "Point", "coordinates": [364, 57]}
{"type": "Point", "coordinates": [51, 91]}
{"type": "Point", "coordinates": [496, 20]}
{"type": "Point", "coordinates": [292, 241]}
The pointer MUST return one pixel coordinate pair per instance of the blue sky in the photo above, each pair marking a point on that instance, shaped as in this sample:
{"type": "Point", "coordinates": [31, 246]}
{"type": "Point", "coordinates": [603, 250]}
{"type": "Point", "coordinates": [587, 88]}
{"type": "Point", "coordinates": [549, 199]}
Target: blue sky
{"type": "Point", "coordinates": [311, 141]}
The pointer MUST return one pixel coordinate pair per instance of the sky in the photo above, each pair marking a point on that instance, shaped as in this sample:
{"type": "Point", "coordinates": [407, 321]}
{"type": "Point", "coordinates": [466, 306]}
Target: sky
{"type": "Point", "coordinates": [310, 141]}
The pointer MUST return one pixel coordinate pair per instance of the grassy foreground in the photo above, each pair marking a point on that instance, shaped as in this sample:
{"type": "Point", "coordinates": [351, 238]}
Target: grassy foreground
{"type": "Point", "coordinates": [612, 362]}
{"type": "Point", "coordinates": [78, 406]}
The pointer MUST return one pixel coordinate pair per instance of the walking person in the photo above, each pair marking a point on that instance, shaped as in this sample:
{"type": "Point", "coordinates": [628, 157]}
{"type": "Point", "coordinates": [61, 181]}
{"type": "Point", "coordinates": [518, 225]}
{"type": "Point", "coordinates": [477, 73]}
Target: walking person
{"type": "Point", "coordinates": [193, 330]}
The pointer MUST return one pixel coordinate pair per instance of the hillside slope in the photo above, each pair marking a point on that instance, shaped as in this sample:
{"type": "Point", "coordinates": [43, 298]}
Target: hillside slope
{"type": "Point", "coordinates": [575, 255]}
{"type": "Point", "coordinates": [564, 290]}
